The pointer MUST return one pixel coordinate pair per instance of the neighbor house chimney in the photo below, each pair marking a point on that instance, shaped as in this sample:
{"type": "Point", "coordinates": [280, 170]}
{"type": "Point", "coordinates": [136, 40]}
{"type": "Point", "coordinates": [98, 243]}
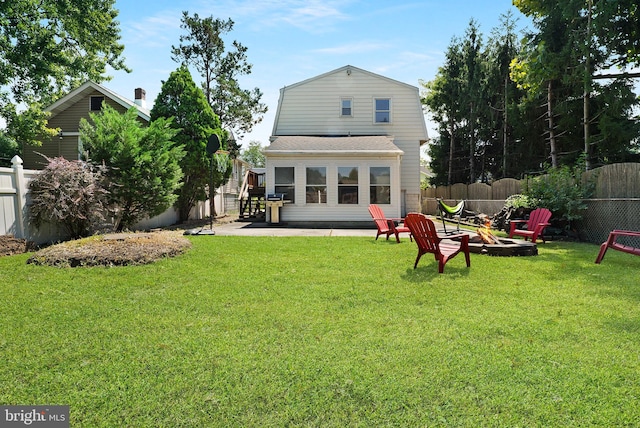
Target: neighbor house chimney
{"type": "Point", "coordinates": [140, 98]}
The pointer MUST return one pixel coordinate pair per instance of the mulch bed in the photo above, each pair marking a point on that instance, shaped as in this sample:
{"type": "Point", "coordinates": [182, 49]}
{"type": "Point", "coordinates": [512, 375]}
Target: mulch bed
{"type": "Point", "coordinates": [113, 250]}
{"type": "Point", "coordinates": [116, 249]}
{"type": "Point", "coordinates": [10, 246]}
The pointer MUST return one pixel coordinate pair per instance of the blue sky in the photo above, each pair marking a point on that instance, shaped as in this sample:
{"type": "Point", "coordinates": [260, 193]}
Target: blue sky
{"type": "Point", "coordinates": [293, 40]}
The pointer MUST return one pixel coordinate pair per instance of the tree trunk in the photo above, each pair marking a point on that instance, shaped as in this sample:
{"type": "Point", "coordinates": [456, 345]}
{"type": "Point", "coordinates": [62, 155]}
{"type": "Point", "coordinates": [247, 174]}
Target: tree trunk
{"type": "Point", "coordinates": [552, 133]}
{"type": "Point", "coordinates": [452, 140]}
{"type": "Point", "coordinates": [587, 92]}
{"type": "Point", "coordinates": [472, 145]}
{"type": "Point", "coordinates": [504, 127]}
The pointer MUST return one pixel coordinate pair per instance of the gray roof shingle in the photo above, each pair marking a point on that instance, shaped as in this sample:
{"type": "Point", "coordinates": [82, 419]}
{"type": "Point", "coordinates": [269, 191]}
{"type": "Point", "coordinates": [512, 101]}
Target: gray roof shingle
{"type": "Point", "coordinates": [375, 144]}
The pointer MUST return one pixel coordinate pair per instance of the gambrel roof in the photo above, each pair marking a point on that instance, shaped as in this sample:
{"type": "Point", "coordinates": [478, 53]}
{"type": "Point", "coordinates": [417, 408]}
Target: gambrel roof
{"type": "Point", "coordinates": [349, 69]}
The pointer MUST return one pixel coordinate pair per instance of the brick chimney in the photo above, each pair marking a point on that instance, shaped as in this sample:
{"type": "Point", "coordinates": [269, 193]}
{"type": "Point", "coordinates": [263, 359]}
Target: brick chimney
{"type": "Point", "coordinates": [140, 97]}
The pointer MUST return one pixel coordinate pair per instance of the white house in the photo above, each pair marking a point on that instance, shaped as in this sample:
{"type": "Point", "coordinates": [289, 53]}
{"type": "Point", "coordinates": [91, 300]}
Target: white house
{"type": "Point", "coordinates": [343, 140]}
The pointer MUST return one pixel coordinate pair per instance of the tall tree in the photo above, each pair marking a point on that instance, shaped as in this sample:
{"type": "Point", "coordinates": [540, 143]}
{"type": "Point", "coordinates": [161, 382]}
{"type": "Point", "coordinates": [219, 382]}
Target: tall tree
{"type": "Point", "coordinates": [254, 154]}
{"type": "Point", "coordinates": [473, 92]}
{"type": "Point", "coordinates": [540, 67]}
{"type": "Point", "coordinates": [203, 47]}
{"type": "Point", "coordinates": [143, 162]}
{"type": "Point", "coordinates": [442, 97]}
{"type": "Point", "coordinates": [195, 121]}
{"type": "Point", "coordinates": [503, 93]}
{"type": "Point", "coordinates": [584, 38]}
{"type": "Point", "coordinates": [47, 47]}
{"type": "Point", "coordinates": [616, 24]}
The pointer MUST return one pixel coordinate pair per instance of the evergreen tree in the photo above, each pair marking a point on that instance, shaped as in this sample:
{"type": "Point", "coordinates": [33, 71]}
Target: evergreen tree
{"type": "Point", "coordinates": [143, 162]}
{"type": "Point", "coordinates": [195, 122]}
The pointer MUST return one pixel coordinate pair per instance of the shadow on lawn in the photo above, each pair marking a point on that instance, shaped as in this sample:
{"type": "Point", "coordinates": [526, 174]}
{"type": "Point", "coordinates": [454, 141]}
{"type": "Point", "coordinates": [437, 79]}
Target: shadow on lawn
{"type": "Point", "coordinates": [427, 270]}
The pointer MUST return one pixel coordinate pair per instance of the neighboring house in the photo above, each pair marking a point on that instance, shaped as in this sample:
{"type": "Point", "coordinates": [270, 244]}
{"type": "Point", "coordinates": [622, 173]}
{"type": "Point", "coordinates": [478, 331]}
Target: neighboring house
{"type": "Point", "coordinates": [229, 192]}
{"type": "Point", "coordinates": [426, 175]}
{"type": "Point", "coordinates": [89, 98]}
{"type": "Point", "coordinates": [66, 114]}
{"type": "Point", "coordinates": [343, 140]}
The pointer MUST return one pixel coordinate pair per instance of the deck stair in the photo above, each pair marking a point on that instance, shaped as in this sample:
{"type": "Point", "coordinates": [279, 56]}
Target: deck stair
{"type": "Point", "coordinates": [252, 196]}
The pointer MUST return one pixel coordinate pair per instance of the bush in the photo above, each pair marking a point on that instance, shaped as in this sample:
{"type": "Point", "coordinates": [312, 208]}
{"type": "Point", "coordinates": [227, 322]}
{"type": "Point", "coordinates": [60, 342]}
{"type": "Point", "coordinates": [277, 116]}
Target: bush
{"type": "Point", "coordinates": [520, 201]}
{"type": "Point", "coordinates": [143, 162]}
{"type": "Point", "coordinates": [562, 191]}
{"type": "Point", "coordinates": [69, 193]}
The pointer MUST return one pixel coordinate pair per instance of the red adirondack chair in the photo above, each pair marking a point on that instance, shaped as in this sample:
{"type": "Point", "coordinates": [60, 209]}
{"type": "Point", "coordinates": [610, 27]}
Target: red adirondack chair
{"type": "Point", "coordinates": [443, 249]}
{"type": "Point", "coordinates": [387, 226]}
{"type": "Point", "coordinates": [538, 220]}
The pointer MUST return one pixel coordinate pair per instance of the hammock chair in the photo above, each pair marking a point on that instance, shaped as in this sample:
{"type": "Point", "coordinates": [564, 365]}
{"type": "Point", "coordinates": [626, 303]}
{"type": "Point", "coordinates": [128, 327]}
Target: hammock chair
{"type": "Point", "coordinates": [451, 211]}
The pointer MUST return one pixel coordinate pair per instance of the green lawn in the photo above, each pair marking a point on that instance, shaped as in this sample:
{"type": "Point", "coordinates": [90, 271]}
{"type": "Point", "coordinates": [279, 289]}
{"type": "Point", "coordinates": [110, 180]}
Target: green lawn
{"type": "Point", "coordinates": [327, 331]}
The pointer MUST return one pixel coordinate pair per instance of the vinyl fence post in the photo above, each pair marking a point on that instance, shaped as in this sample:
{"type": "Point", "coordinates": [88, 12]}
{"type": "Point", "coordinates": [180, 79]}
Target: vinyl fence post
{"type": "Point", "coordinates": [21, 197]}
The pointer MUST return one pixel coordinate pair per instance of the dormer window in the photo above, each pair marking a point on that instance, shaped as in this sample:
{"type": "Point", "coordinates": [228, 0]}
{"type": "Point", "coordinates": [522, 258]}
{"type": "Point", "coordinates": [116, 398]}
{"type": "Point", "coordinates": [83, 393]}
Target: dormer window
{"type": "Point", "coordinates": [96, 103]}
{"type": "Point", "coordinates": [346, 107]}
{"type": "Point", "coordinates": [382, 110]}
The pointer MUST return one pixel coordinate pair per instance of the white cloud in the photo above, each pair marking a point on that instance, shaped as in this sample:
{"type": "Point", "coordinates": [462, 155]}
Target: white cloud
{"type": "Point", "coordinates": [153, 31]}
{"type": "Point", "coordinates": [313, 16]}
{"type": "Point", "coordinates": [353, 48]}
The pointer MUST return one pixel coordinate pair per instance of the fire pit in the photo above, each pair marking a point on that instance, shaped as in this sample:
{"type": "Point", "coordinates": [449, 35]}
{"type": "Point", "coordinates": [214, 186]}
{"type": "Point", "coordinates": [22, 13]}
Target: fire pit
{"type": "Point", "coordinates": [486, 242]}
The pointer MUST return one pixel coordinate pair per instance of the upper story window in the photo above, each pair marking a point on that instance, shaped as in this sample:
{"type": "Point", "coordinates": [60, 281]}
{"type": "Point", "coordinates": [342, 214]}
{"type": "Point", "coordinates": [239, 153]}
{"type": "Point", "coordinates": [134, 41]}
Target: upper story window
{"type": "Point", "coordinates": [346, 107]}
{"type": "Point", "coordinates": [96, 103]}
{"type": "Point", "coordinates": [383, 110]}
{"type": "Point", "coordinates": [285, 182]}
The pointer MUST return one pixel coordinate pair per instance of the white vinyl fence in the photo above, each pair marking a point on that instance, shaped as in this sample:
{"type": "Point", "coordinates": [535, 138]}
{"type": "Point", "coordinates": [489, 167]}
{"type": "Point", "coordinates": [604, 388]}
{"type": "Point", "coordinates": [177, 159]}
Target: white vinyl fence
{"type": "Point", "coordinates": [14, 200]}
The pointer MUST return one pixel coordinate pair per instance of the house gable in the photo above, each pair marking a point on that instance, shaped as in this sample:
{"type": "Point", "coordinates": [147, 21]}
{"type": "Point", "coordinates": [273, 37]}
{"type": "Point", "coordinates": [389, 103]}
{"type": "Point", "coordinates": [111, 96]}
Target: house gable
{"type": "Point", "coordinates": [66, 114]}
{"type": "Point", "coordinates": [339, 120]}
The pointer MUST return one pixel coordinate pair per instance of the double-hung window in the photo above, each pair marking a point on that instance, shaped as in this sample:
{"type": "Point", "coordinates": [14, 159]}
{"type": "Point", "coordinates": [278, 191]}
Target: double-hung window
{"type": "Point", "coordinates": [380, 185]}
{"type": "Point", "coordinates": [316, 185]}
{"type": "Point", "coordinates": [347, 185]}
{"type": "Point", "coordinates": [382, 110]}
{"type": "Point", "coordinates": [285, 182]}
{"type": "Point", "coordinates": [346, 107]}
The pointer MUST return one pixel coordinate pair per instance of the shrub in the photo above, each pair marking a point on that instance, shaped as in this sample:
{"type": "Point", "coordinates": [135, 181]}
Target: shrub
{"type": "Point", "coordinates": [562, 191]}
{"type": "Point", "coordinates": [68, 193]}
{"type": "Point", "coordinates": [143, 162]}
{"type": "Point", "coordinates": [520, 201]}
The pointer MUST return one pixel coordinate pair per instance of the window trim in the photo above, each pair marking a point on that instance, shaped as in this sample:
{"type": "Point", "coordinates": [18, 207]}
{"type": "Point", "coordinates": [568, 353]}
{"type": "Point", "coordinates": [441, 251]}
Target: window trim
{"type": "Point", "coordinates": [291, 185]}
{"type": "Point", "coordinates": [325, 185]}
{"type": "Point", "coordinates": [343, 99]}
{"type": "Point", "coordinates": [376, 185]}
{"type": "Point", "coordinates": [342, 185]}
{"type": "Point", "coordinates": [375, 110]}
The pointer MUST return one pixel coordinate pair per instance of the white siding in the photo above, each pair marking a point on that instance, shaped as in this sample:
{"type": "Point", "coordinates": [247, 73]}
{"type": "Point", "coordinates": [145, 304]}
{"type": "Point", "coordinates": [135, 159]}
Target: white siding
{"type": "Point", "coordinates": [300, 211]}
{"type": "Point", "coordinates": [312, 107]}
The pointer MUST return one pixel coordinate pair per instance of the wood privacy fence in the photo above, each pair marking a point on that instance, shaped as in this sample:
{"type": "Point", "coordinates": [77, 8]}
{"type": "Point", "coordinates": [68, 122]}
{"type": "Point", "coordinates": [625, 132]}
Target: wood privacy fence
{"type": "Point", "coordinates": [614, 205]}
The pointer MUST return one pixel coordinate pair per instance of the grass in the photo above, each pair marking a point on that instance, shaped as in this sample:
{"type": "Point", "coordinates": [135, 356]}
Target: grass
{"type": "Point", "coordinates": [313, 331]}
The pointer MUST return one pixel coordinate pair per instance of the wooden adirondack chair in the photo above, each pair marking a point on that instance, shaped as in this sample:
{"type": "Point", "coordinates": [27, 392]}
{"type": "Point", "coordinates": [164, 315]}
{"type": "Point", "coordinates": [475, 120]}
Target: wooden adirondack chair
{"type": "Point", "coordinates": [443, 249]}
{"type": "Point", "coordinates": [538, 220]}
{"type": "Point", "coordinates": [613, 243]}
{"type": "Point", "coordinates": [387, 226]}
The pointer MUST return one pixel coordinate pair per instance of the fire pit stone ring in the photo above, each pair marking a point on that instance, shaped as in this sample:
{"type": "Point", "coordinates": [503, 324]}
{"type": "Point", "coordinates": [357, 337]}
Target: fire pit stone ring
{"type": "Point", "coordinates": [506, 248]}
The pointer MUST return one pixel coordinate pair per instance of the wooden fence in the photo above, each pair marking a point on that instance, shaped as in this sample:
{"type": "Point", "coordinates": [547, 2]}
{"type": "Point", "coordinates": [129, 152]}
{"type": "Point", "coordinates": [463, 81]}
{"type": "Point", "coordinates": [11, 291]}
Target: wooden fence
{"type": "Point", "coordinates": [614, 205]}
